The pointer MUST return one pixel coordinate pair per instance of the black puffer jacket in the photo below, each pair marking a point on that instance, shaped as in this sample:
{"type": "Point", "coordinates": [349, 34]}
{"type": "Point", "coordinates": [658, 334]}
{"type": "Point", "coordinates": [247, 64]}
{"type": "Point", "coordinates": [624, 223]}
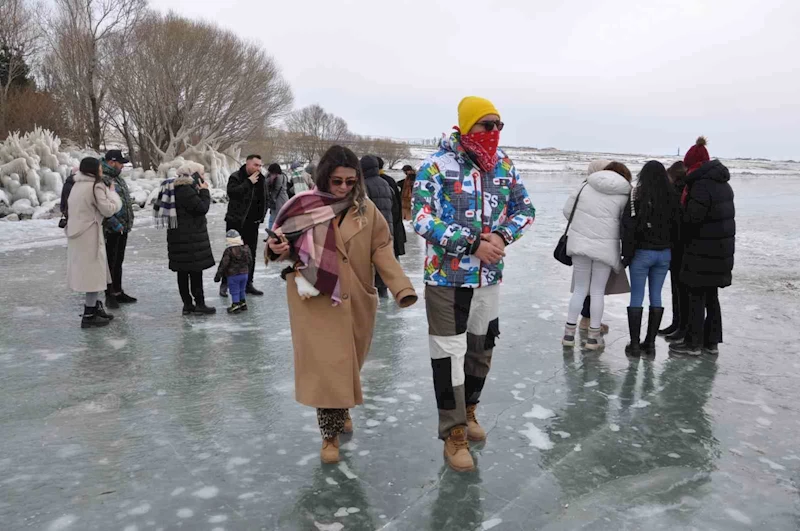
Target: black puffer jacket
{"type": "Point", "coordinates": [709, 228]}
{"type": "Point", "coordinates": [247, 201]}
{"type": "Point", "coordinates": [397, 216]}
{"type": "Point", "coordinates": [378, 190]}
{"type": "Point", "coordinates": [188, 245]}
{"type": "Point", "coordinates": [646, 234]}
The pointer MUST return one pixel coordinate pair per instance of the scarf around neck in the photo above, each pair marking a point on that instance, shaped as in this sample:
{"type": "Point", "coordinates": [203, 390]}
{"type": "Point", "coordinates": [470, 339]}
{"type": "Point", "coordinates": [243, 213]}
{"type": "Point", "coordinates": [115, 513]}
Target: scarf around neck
{"type": "Point", "coordinates": [307, 221]}
{"type": "Point", "coordinates": [164, 211]}
{"type": "Point", "coordinates": [482, 146]}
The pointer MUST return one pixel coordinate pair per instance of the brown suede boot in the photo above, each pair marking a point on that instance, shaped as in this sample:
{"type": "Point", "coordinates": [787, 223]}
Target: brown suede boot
{"type": "Point", "coordinates": [330, 451]}
{"type": "Point", "coordinates": [348, 423]}
{"type": "Point", "coordinates": [474, 431]}
{"type": "Point", "coordinates": [456, 450]}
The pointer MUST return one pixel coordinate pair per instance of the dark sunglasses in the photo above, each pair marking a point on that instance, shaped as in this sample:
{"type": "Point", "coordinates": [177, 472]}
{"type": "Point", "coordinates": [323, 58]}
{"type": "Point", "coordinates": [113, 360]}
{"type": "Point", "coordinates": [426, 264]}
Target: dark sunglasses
{"type": "Point", "coordinates": [489, 125]}
{"type": "Point", "coordinates": [347, 182]}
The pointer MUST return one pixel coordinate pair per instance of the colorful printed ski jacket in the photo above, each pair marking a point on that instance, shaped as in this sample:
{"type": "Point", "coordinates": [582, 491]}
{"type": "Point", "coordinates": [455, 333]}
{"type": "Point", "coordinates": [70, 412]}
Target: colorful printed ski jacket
{"type": "Point", "coordinates": [455, 202]}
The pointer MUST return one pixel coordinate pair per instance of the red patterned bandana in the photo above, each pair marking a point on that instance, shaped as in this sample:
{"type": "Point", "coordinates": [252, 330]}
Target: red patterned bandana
{"type": "Point", "coordinates": [483, 146]}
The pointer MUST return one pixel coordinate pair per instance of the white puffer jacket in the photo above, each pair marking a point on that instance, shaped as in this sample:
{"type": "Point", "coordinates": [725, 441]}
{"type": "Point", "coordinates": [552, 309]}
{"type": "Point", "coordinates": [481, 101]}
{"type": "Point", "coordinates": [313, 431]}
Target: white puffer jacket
{"type": "Point", "coordinates": [595, 229]}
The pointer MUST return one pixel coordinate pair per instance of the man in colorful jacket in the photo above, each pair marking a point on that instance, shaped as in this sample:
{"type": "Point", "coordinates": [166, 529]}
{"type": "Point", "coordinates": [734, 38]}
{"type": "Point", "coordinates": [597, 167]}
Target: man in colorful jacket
{"type": "Point", "coordinates": [469, 203]}
{"type": "Point", "coordinates": [117, 227]}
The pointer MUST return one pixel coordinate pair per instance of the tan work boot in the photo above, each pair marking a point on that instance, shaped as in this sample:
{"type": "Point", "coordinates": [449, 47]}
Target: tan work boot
{"type": "Point", "coordinates": [456, 450]}
{"type": "Point", "coordinates": [330, 451]}
{"type": "Point", "coordinates": [584, 326]}
{"type": "Point", "coordinates": [348, 423]}
{"type": "Point", "coordinates": [474, 431]}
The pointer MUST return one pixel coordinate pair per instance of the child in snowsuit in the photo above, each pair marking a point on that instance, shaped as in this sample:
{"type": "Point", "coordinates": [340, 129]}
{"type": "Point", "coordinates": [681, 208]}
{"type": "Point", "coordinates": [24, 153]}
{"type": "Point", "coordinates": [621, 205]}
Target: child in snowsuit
{"type": "Point", "coordinates": [235, 266]}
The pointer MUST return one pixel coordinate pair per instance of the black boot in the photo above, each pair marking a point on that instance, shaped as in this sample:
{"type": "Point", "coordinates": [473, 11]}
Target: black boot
{"type": "Point", "coordinates": [676, 336]}
{"type": "Point", "coordinates": [671, 329]}
{"type": "Point", "coordinates": [90, 318]}
{"type": "Point", "coordinates": [242, 304]}
{"type": "Point", "coordinates": [252, 290]}
{"type": "Point", "coordinates": [200, 307]}
{"type": "Point", "coordinates": [111, 300]}
{"type": "Point", "coordinates": [634, 328]}
{"type": "Point", "coordinates": [100, 311]}
{"type": "Point", "coordinates": [653, 322]}
{"type": "Point", "coordinates": [383, 293]}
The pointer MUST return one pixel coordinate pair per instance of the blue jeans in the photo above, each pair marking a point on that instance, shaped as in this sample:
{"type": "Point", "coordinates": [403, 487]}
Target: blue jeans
{"type": "Point", "coordinates": [648, 265]}
{"type": "Point", "coordinates": [236, 286]}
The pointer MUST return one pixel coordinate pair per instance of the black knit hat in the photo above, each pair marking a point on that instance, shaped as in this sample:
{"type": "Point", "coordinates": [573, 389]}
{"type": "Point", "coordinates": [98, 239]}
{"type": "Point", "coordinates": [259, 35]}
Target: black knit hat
{"type": "Point", "coordinates": [274, 168]}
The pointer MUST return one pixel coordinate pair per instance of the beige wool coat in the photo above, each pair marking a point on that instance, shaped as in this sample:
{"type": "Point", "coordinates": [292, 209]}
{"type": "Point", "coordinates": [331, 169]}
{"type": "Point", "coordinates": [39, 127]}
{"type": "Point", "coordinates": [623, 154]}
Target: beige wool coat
{"type": "Point", "coordinates": [331, 342]}
{"type": "Point", "coordinates": [89, 204]}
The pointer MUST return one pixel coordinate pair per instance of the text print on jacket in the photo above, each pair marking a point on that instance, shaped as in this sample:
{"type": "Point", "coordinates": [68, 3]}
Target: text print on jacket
{"type": "Point", "coordinates": [455, 202]}
{"type": "Point", "coordinates": [595, 229]}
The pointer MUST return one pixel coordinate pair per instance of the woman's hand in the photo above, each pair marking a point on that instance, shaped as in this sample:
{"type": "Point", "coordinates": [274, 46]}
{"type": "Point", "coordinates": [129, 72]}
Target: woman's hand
{"type": "Point", "coordinates": [112, 187]}
{"type": "Point", "coordinates": [203, 185]}
{"type": "Point", "coordinates": [280, 246]}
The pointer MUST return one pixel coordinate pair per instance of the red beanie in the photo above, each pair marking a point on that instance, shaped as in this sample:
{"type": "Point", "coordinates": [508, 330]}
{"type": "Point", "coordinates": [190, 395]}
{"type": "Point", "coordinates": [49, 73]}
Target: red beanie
{"type": "Point", "coordinates": [696, 156]}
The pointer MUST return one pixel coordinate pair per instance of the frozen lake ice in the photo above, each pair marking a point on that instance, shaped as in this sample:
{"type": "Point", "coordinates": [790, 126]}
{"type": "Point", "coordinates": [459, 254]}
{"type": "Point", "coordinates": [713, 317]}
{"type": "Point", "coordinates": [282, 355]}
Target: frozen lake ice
{"type": "Point", "coordinates": [160, 421]}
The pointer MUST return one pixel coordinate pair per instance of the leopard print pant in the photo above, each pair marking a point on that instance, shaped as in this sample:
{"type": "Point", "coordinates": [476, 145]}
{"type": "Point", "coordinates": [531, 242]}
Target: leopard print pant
{"type": "Point", "coordinates": [331, 422]}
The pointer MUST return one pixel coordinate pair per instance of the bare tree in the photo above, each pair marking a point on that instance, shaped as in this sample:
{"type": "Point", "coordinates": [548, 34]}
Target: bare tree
{"type": "Point", "coordinates": [20, 41]}
{"type": "Point", "coordinates": [80, 33]}
{"type": "Point", "coordinates": [316, 130]}
{"type": "Point", "coordinates": [189, 82]}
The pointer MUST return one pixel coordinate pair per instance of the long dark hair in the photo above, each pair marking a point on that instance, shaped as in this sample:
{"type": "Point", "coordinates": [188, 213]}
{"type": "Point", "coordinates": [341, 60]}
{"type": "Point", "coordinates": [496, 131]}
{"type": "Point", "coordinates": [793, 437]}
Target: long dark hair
{"type": "Point", "coordinates": [90, 166]}
{"type": "Point", "coordinates": [337, 157]}
{"type": "Point", "coordinates": [654, 197]}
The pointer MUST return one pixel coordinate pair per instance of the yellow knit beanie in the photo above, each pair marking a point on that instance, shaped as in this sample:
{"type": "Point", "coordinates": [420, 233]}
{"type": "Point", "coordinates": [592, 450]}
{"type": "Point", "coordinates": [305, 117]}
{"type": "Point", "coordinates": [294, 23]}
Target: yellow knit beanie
{"type": "Point", "coordinates": [471, 109]}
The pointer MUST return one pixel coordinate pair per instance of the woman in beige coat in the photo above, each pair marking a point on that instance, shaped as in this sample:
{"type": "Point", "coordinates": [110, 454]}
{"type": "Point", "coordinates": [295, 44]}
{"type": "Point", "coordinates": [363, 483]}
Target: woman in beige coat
{"type": "Point", "coordinates": [90, 201]}
{"type": "Point", "coordinates": [335, 231]}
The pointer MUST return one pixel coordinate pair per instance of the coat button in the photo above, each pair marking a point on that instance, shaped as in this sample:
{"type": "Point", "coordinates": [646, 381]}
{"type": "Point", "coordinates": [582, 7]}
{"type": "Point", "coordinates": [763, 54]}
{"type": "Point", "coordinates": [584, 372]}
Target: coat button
{"type": "Point", "coordinates": [345, 297]}
{"type": "Point", "coordinates": [344, 260]}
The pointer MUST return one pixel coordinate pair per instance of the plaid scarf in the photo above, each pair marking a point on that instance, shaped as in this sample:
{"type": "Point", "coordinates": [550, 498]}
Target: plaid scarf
{"type": "Point", "coordinates": [164, 210]}
{"type": "Point", "coordinates": [306, 220]}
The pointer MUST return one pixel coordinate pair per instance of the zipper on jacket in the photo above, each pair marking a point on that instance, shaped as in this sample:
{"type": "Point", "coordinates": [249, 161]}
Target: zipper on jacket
{"type": "Point", "coordinates": [249, 204]}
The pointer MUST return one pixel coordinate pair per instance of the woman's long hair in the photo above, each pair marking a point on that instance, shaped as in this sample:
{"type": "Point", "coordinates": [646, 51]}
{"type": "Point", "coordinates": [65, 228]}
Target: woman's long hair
{"type": "Point", "coordinates": [336, 157]}
{"type": "Point", "coordinates": [90, 166]}
{"type": "Point", "coordinates": [654, 197]}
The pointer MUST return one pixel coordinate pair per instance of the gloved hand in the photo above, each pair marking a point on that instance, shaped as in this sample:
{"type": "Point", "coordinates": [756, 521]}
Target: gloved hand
{"type": "Point", "coordinates": [218, 278]}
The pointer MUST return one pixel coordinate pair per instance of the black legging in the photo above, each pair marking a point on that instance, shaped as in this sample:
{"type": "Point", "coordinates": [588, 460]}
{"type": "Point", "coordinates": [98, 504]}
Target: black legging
{"type": "Point", "coordinates": [196, 278]}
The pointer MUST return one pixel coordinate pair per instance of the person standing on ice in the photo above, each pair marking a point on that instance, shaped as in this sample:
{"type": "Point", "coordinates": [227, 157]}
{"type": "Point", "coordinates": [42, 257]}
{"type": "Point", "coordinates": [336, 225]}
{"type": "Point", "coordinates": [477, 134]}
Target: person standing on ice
{"type": "Point", "coordinates": [90, 201]}
{"type": "Point", "coordinates": [277, 185]}
{"type": "Point", "coordinates": [586, 312]}
{"type": "Point", "coordinates": [117, 227]}
{"type": "Point", "coordinates": [335, 238]}
{"type": "Point", "coordinates": [469, 203]}
{"type": "Point", "coordinates": [676, 331]}
{"type": "Point", "coordinates": [408, 190]}
{"type": "Point", "coordinates": [247, 209]}
{"type": "Point", "coordinates": [593, 242]}
{"type": "Point", "coordinates": [709, 236]}
{"type": "Point", "coordinates": [181, 207]}
{"type": "Point", "coordinates": [299, 182]}
{"type": "Point", "coordinates": [650, 225]}
{"type": "Point", "coordinates": [380, 193]}
{"type": "Point", "coordinates": [398, 229]}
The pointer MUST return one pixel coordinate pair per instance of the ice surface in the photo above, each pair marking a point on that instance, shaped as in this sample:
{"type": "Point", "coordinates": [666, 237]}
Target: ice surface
{"type": "Point", "coordinates": [158, 408]}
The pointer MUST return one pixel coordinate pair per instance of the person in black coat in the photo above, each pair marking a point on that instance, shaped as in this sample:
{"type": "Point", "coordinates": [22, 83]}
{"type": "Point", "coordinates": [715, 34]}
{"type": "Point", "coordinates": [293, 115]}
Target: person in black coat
{"type": "Point", "coordinates": [248, 196]}
{"type": "Point", "coordinates": [676, 331]}
{"type": "Point", "coordinates": [399, 230]}
{"type": "Point", "coordinates": [709, 236]}
{"type": "Point", "coordinates": [379, 191]}
{"type": "Point", "coordinates": [188, 245]}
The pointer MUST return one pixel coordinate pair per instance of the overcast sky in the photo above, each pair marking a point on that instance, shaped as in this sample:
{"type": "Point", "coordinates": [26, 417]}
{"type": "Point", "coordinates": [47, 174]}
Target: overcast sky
{"type": "Point", "coordinates": [607, 75]}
